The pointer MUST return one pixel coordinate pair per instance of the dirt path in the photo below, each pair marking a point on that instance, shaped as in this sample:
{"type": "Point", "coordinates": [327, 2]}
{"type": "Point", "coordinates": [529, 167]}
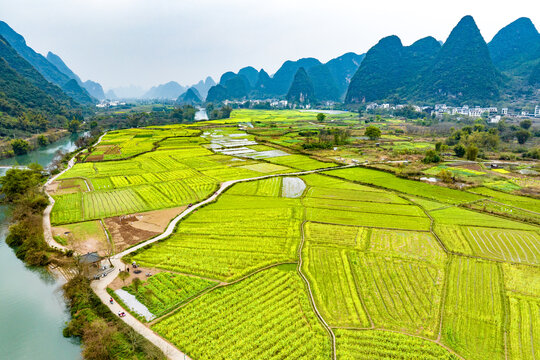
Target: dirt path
{"type": "Point", "coordinates": [100, 286]}
{"type": "Point", "coordinates": [224, 186]}
{"type": "Point", "coordinates": [47, 229]}
{"type": "Point", "coordinates": [310, 293]}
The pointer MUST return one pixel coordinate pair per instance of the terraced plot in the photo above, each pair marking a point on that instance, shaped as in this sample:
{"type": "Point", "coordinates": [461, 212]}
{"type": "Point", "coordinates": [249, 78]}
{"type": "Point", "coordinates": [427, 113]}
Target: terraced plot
{"type": "Point", "coordinates": [524, 334]}
{"type": "Point", "coordinates": [411, 187]}
{"type": "Point", "coordinates": [506, 210]}
{"type": "Point", "coordinates": [164, 291]}
{"type": "Point", "coordinates": [266, 316]}
{"type": "Point", "coordinates": [336, 295]}
{"type": "Point", "coordinates": [230, 238]}
{"type": "Point", "coordinates": [354, 195]}
{"type": "Point", "coordinates": [504, 244]}
{"type": "Point", "coordinates": [67, 209]}
{"type": "Point", "coordinates": [474, 309]}
{"type": "Point", "coordinates": [336, 235]}
{"type": "Point", "coordinates": [379, 345]}
{"type": "Point", "coordinates": [523, 202]}
{"type": "Point", "coordinates": [300, 162]}
{"type": "Point", "coordinates": [399, 294]}
{"type": "Point", "coordinates": [347, 217]}
{"type": "Point", "coordinates": [266, 187]}
{"type": "Point", "coordinates": [460, 216]}
{"type": "Point", "coordinates": [412, 244]}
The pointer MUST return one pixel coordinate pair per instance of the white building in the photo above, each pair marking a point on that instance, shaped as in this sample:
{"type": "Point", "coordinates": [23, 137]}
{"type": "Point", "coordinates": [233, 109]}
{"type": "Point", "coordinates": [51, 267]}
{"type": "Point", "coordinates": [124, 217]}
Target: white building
{"type": "Point", "coordinates": [504, 111]}
{"type": "Point", "coordinates": [537, 111]}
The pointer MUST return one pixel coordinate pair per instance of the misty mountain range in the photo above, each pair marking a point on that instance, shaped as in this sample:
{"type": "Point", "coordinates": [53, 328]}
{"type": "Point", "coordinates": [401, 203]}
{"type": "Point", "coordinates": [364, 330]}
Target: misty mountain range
{"type": "Point", "coordinates": [463, 69]}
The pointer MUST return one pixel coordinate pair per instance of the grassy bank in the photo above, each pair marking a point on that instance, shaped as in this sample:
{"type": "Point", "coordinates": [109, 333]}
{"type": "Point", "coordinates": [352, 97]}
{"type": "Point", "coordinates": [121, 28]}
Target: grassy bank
{"type": "Point", "coordinates": [103, 335]}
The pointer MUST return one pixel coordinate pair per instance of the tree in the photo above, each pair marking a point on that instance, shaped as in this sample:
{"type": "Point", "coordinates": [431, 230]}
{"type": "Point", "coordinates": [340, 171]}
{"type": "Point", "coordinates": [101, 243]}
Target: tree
{"type": "Point", "coordinates": [226, 112]}
{"type": "Point", "coordinates": [73, 126]}
{"type": "Point", "coordinates": [431, 157]}
{"type": "Point", "coordinates": [136, 284]}
{"type": "Point", "coordinates": [42, 140]}
{"type": "Point", "coordinates": [373, 132]}
{"type": "Point", "coordinates": [446, 176]}
{"type": "Point", "coordinates": [525, 124]}
{"type": "Point", "coordinates": [17, 182]}
{"type": "Point", "coordinates": [321, 117]}
{"type": "Point", "coordinates": [93, 125]}
{"type": "Point", "coordinates": [471, 152]}
{"type": "Point", "coordinates": [459, 150]}
{"type": "Point", "coordinates": [438, 146]}
{"type": "Point", "coordinates": [123, 275]}
{"type": "Point", "coordinates": [20, 146]}
{"type": "Point", "coordinates": [522, 136]}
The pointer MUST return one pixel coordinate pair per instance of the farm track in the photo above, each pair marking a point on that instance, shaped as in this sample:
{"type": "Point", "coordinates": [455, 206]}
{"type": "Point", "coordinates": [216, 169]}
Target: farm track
{"type": "Point", "coordinates": [403, 333]}
{"type": "Point", "coordinates": [312, 300]}
{"type": "Point", "coordinates": [100, 286]}
{"type": "Point", "coordinates": [47, 230]}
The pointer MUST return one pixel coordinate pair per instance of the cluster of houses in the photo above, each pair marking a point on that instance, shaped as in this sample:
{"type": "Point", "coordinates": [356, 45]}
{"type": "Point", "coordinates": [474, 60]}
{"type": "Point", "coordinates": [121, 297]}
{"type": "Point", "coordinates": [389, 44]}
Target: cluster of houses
{"type": "Point", "coordinates": [439, 110]}
{"type": "Point", "coordinates": [109, 104]}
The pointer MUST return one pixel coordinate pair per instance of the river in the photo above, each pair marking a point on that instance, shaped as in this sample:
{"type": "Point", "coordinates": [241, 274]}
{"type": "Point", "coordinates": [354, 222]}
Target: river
{"type": "Point", "coordinates": [201, 114]}
{"type": "Point", "coordinates": [32, 309]}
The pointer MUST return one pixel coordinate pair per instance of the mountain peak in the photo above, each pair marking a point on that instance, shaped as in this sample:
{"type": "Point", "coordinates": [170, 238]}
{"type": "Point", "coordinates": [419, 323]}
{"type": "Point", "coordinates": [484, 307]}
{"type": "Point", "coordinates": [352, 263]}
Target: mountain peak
{"type": "Point", "coordinates": [515, 45]}
{"type": "Point", "coordinates": [301, 89]}
{"type": "Point", "coordinates": [463, 68]}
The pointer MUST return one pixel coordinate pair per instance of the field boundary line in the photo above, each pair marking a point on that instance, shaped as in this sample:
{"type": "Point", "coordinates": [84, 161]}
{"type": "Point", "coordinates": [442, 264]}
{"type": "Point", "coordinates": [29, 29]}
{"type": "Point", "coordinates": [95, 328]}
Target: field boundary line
{"type": "Point", "coordinates": [312, 300]}
{"type": "Point", "coordinates": [359, 293]}
{"type": "Point", "coordinates": [47, 227]}
{"type": "Point", "coordinates": [441, 344]}
{"type": "Point", "coordinates": [369, 227]}
{"type": "Point", "coordinates": [220, 284]}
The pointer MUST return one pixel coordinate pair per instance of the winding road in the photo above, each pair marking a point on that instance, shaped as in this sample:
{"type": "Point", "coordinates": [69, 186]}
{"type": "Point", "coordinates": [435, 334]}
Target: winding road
{"type": "Point", "coordinates": [100, 286]}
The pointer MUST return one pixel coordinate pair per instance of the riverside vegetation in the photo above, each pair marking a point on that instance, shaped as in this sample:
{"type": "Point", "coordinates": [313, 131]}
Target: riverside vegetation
{"type": "Point", "coordinates": [104, 336]}
{"type": "Point", "coordinates": [396, 268]}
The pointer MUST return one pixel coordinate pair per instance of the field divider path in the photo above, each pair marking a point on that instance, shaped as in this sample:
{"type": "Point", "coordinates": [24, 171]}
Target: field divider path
{"type": "Point", "coordinates": [47, 229]}
{"type": "Point", "coordinates": [100, 286]}
{"type": "Point", "coordinates": [310, 293]}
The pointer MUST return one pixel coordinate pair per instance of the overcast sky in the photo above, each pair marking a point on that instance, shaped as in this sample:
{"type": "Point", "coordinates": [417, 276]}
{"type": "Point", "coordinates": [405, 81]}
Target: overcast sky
{"type": "Point", "coordinates": [148, 42]}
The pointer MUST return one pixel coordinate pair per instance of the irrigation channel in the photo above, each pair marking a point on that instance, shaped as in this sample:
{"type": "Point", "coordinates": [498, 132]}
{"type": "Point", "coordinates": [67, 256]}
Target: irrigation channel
{"type": "Point", "coordinates": [32, 309]}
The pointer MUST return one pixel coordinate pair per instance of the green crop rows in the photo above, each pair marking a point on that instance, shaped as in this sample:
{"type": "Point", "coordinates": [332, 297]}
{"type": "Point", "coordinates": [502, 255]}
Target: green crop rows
{"type": "Point", "coordinates": [164, 291]}
{"type": "Point", "coordinates": [398, 269]}
{"type": "Point", "coordinates": [368, 345]}
{"type": "Point", "coordinates": [266, 316]}
{"type": "Point", "coordinates": [474, 315]}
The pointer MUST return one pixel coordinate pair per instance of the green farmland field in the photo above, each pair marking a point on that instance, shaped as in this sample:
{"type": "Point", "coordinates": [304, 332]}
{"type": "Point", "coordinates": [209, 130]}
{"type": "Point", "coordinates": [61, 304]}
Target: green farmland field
{"type": "Point", "coordinates": [411, 187]}
{"type": "Point", "coordinates": [393, 268]}
{"type": "Point", "coordinates": [374, 344]}
{"type": "Point", "coordinates": [164, 291]}
{"type": "Point", "coordinates": [267, 316]}
{"type": "Point", "coordinates": [474, 315]}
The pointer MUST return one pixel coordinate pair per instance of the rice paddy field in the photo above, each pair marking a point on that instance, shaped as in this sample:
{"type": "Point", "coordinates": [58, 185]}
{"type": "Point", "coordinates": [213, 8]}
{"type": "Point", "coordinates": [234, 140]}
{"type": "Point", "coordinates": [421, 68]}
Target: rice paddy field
{"type": "Point", "coordinates": [294, 266]}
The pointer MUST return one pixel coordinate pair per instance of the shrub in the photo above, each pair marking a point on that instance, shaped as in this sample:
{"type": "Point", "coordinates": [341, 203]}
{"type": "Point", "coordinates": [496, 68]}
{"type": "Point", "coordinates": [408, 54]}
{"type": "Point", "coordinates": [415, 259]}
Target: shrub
{"type": "Point", "coordinates": [459, 150]}
{"type": "Point", "coordinates": [20, 146]}
{"type": "Point", "coordinates": [471, 152]}
{"type": "Point", "coordinates": [431, 157]}
{"type": "Point", "coordinates": [373, 132]}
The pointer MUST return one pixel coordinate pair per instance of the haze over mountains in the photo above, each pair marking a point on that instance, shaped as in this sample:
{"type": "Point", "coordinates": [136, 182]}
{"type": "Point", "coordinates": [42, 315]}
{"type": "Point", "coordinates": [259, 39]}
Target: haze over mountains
{"type": "Point", "coordinates": [463, 69]}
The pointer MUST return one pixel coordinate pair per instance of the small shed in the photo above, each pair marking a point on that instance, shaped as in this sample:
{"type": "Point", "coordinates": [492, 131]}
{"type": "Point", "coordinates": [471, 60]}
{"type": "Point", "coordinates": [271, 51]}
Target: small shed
{"type": "Point", "coordinates": [90, 258]}
{"type": "Point", "coordinates": [90, 263]}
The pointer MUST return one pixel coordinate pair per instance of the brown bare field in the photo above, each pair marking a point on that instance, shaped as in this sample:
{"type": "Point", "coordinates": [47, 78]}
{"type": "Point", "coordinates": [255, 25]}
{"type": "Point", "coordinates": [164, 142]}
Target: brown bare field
{"type": "Point", "coordinates": [131, 229]}
{"type": "Point", "coordinates": [84, 237]}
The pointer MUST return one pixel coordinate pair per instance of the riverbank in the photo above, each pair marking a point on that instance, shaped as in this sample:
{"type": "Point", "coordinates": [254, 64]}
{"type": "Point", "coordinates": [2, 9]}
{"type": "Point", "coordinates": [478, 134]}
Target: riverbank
{"type": "Point", "coordinates": [33, 311]}
{"type": "Point", "coordinates": [102, 333]}
{"type": "Point", "coordinates": [51, 136]}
